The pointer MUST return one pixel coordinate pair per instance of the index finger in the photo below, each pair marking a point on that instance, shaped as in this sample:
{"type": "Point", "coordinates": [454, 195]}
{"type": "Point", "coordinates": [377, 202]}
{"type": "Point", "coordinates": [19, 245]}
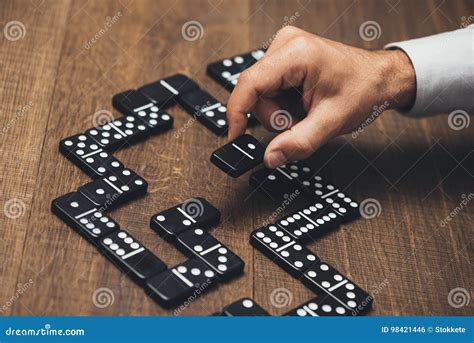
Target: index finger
{"type": "Point", "coordinates": [264, 77]}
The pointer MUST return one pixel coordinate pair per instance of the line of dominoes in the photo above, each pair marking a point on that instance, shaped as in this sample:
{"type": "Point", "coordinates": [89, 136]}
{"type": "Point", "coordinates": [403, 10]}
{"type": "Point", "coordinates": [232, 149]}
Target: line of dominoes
{"type": "Point", "coordinates": [85, 210]}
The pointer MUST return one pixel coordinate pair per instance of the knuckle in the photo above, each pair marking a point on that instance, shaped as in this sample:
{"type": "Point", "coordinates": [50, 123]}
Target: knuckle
{"type": "Point", "coordinates": [289, 30]}
{"type": "Point", "coordinates": [300, 42]}
{"type": "Point", "coordinates": [245, 76]}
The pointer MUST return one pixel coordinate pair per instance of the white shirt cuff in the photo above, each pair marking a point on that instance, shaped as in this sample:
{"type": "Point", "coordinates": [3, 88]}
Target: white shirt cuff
{"type": "Point", "coordinates": [444, 68]}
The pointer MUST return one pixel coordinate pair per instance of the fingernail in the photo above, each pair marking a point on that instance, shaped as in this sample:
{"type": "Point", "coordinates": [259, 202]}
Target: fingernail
{"type": "Point", "coordinates": [275, 159]}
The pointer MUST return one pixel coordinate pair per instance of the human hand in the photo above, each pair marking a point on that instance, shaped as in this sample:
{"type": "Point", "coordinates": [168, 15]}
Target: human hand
{"type": "Point", "coordinates": [341, 84]}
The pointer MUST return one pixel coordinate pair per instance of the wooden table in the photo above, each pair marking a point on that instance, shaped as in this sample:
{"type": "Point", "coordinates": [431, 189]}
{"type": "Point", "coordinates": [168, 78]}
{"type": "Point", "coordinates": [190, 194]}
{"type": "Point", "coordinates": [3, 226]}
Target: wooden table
{"type": "Point", "coordinates": [75, 55]}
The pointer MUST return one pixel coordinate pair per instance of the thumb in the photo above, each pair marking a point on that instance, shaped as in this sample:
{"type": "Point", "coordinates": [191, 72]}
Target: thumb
{"type": "Point", "coordinates": [303, 139]}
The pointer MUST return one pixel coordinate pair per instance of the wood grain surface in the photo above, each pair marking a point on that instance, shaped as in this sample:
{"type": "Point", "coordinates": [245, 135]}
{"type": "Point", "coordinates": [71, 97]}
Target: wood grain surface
{"type": "Point", "coordinates": [71, 57]}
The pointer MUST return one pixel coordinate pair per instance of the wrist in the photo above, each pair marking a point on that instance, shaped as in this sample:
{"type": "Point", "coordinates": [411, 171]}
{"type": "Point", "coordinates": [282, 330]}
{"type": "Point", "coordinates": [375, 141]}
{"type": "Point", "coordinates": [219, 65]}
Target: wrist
{"type": "Point", "coordinates": [400, 79]}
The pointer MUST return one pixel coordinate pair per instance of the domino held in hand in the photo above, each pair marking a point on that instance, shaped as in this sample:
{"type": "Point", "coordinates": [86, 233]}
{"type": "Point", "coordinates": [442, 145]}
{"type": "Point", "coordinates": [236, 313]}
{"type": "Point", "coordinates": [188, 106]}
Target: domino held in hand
{"type": "Point", "coordinates": [239, 156]}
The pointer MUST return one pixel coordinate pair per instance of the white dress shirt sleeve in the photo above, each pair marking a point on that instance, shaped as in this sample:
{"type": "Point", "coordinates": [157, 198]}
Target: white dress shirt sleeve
{"type": "Point", "coordinates": [444, 68]}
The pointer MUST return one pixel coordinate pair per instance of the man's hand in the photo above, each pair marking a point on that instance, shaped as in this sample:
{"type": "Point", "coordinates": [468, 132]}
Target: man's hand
{"type": "Point", "coordinates": [341, 84]}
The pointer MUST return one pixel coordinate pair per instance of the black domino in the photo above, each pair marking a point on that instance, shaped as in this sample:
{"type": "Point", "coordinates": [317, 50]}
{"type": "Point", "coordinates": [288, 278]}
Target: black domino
{"type": "Point", "coordinates": [201, 244]}
{"type": "Point", "coordinates": [120, 133]}
{"type": "Point", "coordinates": [114, 189]}
{"type": "Point", "coordinates": [193, 213]}
{"type": "Point", "coordinates": [190, 278]}
{"type": "Point", "coordinates": [344, 206]}
{"type": "Point", "coordinates": [244, 307]}
{"type": "Point", "coordinates": [310, 223]}
{"type": "Point", "coordinates": [131, 256]}
{"type": "Point", "coordinates": [321, 306]}
{"type": "Point", "coordinates": [284, 250]}
{"type": "Point", "coordinates": [239, 156]}
{"type": "Point", "coordinates": [134, 103]}
{"type": "Point", "coordinates": [274, 182]}
{"type": "Point", "coordinates": [319, 187]}
{"type": "Point", "coordinates": [227, 71]}
{"type": "Point", "coordinates": [206, 109]}
{"type": "Point", "coordinates": [322, 278]}
{"type": "Point", "coordinates": [282, 180]}
{"type": "Point", "coordinates": [83, 216]}
{"type": "Point", "coordinates": [89, 156]}
{"type": "Point", "coordinates": [167, 91]}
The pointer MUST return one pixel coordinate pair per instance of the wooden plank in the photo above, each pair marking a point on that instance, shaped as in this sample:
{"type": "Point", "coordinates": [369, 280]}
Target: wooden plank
{"type": "Point", "coordinates": [29, 55]}
{"type": "Point", "coordinates": [416, 169]}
